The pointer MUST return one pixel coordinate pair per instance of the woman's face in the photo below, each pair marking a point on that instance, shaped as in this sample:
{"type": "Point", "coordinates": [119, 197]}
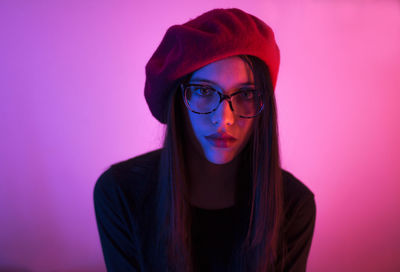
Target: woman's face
{"type": "Point", "coordinates": [227, 76]}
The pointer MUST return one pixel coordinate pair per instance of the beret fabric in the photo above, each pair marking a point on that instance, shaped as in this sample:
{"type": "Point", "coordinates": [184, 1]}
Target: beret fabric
{"type": "Point", "coordinates": [212, 36]}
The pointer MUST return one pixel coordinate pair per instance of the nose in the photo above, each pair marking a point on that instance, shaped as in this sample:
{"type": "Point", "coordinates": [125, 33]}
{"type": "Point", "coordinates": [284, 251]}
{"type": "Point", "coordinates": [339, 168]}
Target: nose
{"type": "Point", "coordinates": [223, 114]}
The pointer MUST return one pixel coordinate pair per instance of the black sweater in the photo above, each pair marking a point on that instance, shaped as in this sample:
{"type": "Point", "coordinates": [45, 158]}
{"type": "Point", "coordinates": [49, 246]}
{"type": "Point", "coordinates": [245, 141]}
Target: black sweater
{"type": "Point", "coordinates": [124, 201]}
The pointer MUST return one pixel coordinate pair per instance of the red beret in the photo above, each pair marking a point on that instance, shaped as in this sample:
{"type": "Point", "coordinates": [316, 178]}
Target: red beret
{"type": "Point", "coordinates": [212, 36]}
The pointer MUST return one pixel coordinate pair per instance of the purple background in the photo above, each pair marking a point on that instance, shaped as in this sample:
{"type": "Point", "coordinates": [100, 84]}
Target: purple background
{"type": "Point", "coordinates": [71, 103]}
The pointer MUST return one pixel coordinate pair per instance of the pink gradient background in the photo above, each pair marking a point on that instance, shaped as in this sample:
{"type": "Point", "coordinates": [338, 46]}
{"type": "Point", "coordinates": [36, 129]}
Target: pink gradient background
{"type": "Point", "coordinates": [71, 103]}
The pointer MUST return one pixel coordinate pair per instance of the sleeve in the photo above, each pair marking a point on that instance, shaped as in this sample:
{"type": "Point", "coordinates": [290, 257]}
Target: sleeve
{"type": "Point", "coordinates": [299, 236]}
{"type": "Point", "coordinates": [116, 229]}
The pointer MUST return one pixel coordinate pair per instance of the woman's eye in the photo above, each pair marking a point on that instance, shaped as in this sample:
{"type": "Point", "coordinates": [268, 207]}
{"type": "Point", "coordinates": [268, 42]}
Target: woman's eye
{"type": "Point", "coordinates": [248, 94]}
{"type": "Point", "coordinates": [203, 91]}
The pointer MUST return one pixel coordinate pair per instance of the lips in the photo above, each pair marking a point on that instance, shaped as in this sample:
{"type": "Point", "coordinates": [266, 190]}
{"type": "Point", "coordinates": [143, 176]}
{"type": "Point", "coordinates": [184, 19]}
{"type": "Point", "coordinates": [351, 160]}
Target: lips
{"type": "Point", "coordinates": [221, 139]}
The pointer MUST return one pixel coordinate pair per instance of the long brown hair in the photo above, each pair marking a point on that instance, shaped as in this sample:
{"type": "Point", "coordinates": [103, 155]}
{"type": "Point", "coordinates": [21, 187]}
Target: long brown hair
{"type": "Point", "coordinates": [261, 247]}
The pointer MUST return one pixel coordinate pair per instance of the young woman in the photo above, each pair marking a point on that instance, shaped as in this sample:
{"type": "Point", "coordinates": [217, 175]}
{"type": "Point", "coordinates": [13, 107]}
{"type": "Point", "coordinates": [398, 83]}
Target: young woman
{"type": "Point", "coordinates": [214, 198]}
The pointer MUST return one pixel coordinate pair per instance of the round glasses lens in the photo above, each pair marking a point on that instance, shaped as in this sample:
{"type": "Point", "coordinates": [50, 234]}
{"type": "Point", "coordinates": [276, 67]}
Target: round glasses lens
{"type": "Point", "coordinates": [247, 103]}
{"type": "Point", "coordinates": [201, 98]}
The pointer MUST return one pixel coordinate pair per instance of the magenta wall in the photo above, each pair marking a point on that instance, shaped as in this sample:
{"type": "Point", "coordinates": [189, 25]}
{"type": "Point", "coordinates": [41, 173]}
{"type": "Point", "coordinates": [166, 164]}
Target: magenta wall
{"type": "Point", "coordinates": [72, 79]}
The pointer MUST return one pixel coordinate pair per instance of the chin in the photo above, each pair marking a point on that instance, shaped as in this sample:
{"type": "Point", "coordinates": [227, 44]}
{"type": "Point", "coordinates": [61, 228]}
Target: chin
{"type": "Point", "coordinates": [219, 157]}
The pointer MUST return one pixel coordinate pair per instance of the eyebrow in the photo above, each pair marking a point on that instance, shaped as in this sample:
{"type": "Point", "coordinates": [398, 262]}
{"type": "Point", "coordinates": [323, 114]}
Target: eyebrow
{"type": "Point", "coordinates": [212, 82]}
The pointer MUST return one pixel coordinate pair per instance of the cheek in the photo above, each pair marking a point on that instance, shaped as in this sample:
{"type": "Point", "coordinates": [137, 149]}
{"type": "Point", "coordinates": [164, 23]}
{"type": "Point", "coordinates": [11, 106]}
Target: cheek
{"type": "Point", "coordinates": [197, 122]}
{"type": "Point", "coordinates": [247, 128]}
{"type": "Point", "coordinates": [197, 125]}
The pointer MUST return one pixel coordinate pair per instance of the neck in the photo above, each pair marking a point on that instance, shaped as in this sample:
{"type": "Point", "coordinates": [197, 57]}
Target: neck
{"type": "Point", "coordinates": [211, 185]}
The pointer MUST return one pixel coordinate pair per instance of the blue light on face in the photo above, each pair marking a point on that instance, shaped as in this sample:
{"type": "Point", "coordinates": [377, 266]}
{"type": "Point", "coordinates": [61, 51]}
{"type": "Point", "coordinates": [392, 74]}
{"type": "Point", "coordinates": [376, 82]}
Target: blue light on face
{"type": "Point", "coordinates": [222, 134]}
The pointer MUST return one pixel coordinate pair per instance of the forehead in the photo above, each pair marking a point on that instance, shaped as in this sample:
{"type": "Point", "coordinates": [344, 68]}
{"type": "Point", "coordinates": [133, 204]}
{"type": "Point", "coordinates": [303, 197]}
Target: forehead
{"type": "Point", "coordinates": [227, 73]}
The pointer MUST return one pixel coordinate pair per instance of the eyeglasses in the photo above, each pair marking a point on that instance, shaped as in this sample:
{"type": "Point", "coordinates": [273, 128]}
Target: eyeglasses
{"type": "Point", "coordinates": [204, 99]}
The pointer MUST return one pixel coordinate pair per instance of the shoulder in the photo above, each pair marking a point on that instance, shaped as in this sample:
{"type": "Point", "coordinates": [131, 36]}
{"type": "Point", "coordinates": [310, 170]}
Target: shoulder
{"type": "Point", "coordinates": [299, 222]}
{"type": "Point", "coordinates": [298, 197]}
{"type": "Point", "coordinates": [293, 187]}
{"type": "Point", "coordinates": [141, 165]}
{"type": "Point", "coordinates": [130, 178]}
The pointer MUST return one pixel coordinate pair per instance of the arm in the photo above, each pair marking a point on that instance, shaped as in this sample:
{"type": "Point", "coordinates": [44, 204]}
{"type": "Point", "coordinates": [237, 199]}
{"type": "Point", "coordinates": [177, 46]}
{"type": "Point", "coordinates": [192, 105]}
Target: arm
{"type": "Point", "coordinates": [300, 231]}
{"type": "Point", "coordinates": [117, 230]}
